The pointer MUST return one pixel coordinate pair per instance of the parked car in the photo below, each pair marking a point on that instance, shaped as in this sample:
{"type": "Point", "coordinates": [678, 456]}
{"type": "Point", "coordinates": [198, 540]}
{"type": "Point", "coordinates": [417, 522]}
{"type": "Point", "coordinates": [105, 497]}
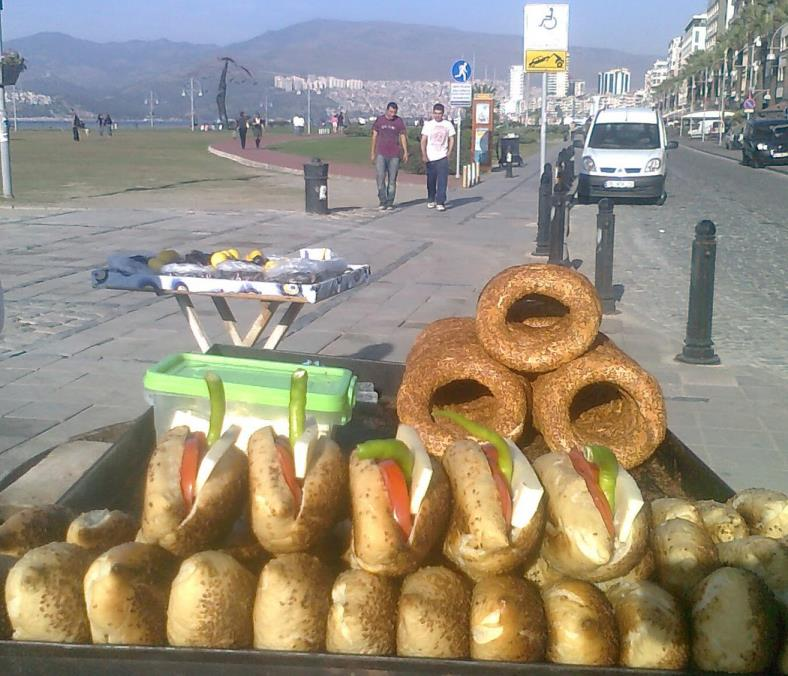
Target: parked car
{"type": "Point", "coordinates": [624, 157]}
{"type": "Point", "coordinates": [732, 138]}
{"type": "Point", "coordinates": [765, 141]}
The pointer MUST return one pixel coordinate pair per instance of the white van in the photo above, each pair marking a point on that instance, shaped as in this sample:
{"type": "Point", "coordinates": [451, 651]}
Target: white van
{"type": "Point", "coordinates": [624, 157]}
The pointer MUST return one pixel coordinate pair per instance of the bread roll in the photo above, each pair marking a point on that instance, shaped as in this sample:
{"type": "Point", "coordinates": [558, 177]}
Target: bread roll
{"type": "Point", "coordinates": [581, 625]}
{"type": "Point", "coordinates": [44, 595]}
{"type": "Point", "coordinates": [291, 605]}
{"type": "Point", "coordinates": [32, 527]}
{"type": "Point", "coordinates": [734, 622]}
{"type": "Point", "coordinates": [507, 621]}
{"type": "Point", "coordinates": [210, 603]}
{"type": "Point", "coordinates": [434, 608]}
{"type": "Point", "coordinates": [651, 627]}
{"type": "Point", "coordinates": [280, 525]}
{"type": "Point", "coordinates": [363, 614]}
{"type": "Point", "coordinates": [101, 529]}
{"type": "Point", "coordinates": [684, 554]}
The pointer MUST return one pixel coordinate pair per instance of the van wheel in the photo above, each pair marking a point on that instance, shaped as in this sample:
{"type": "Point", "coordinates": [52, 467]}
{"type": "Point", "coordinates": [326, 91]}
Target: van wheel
{"type": "Point", "coordinates": [661, 199]}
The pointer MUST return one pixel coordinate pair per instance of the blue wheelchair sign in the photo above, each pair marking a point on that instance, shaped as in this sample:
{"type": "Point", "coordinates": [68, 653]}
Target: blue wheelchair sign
{"type": "Point", "coordinates": [461, 71]}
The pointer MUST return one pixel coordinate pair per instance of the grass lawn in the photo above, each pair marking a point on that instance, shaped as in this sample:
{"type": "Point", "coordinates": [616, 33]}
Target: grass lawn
{"type": "Point", "coordinates": [337, 148]}
{"type": "Point", "coordinates": [355, 149]}
{"type": "Point", "coordinates": [49, 167]}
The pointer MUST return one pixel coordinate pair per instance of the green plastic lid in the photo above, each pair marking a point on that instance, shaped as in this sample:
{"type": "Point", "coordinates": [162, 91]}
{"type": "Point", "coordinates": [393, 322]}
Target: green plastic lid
{"type": "Point", "coordinates": [255, 381]}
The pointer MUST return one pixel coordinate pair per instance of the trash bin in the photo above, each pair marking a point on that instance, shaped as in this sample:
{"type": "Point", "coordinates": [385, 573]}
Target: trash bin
{"type": "Point", "coordinates": [510, 144]}
{"type": "Point", "coordinates": [316, 186]}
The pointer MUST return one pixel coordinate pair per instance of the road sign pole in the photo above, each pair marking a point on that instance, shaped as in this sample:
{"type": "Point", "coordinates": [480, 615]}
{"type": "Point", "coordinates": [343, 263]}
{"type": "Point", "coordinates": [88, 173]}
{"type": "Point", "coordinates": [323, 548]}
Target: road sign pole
{"type": "Point", "coordinates": [543, 143]}
{"type": "Point", "coordinates": [459, 142]}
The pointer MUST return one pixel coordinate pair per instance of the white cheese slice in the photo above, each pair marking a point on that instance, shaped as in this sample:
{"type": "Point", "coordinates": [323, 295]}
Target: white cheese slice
{"type": "Point", "coordinates": [422, 467]}
{"type": "Point", "coordinates": [248, 424]}
{"type": "Point", "coordinates": [305, 447]}
{"type": "Point", "coordinates": [215, 453]}
{"type": "Point", "coordinates": [527, 490]}
{"type": "Point", "coordinates": [629, 502]}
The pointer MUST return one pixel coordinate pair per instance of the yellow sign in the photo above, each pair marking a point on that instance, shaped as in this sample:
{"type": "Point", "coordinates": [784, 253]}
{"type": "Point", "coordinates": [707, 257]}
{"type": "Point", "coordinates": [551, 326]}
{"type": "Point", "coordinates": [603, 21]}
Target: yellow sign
{"type": "Point", "coordinates": [545, 61]}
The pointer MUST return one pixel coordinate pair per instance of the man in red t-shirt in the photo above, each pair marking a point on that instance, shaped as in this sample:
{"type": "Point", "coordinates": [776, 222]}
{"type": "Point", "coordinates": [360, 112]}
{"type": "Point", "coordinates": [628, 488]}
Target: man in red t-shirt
{"type": "Point", "coordinates": [388, 136]}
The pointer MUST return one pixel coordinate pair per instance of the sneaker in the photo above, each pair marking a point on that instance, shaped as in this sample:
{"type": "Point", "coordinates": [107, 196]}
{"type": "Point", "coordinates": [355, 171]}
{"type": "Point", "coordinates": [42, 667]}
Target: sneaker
{"type": "Point", "coordinates": [382, 207]}
{"type": "Point", "coordinates": [441, 207]}
{"type": "Point", "coordinates": [430, 205]}
{"type": "Point", "coordinates": [390, 207]}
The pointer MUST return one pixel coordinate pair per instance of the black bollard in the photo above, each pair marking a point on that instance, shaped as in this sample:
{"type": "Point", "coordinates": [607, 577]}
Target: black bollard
{"type": "Point", "coordinates": [603, 271]}
{"type": "Point", "coordinates": [543, 219]}
{"type": "Point", "coordinates": [557, 227]}
{"type": "Point", "coordinates": [698, 345]}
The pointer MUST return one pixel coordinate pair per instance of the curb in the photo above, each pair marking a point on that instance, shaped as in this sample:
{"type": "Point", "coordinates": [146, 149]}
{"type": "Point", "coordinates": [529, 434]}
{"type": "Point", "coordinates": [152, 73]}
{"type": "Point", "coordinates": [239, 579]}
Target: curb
{"type": "Point", "coordinates": [252, 163]}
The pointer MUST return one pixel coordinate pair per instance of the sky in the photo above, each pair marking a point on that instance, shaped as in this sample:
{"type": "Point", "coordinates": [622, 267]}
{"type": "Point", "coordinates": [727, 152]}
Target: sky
{"type": "Point", "coordinates": [636, 26]}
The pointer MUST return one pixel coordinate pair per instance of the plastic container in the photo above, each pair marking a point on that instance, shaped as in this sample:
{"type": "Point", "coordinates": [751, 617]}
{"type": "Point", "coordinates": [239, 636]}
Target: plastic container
{"type": "Point", "coordinates": [257, 393]}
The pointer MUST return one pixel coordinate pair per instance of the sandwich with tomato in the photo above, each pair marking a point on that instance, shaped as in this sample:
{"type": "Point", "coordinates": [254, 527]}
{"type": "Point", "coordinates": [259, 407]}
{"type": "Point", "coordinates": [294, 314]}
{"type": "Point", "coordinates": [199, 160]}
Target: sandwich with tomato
{"type": "Point", "coordinates": [196, 484]}
{"type": "Point", "coordinates": [498, 514]}
{"type": "Point", "coordinates": [400, 503]}
{"type": "Point", "coordinates": [597, 521]}
{"type": "Point", "coordinates": [297, 483]}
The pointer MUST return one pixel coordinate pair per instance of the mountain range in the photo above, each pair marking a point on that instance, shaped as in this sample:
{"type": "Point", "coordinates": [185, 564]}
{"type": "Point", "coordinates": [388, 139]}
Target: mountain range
{"type": "Point", "coordinates": [120, 76]}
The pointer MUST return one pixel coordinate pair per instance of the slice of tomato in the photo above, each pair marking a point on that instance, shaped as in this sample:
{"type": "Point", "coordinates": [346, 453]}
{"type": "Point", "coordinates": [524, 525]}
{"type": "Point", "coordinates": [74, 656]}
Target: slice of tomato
{"type": "Point", "coordinates": [590, 473]}
{"type": "Point", "coordinates": [193, 449]}
{"type": "Point", "coordinates": [504, 492]}
{"type": "Point", "coordinates": [397, 488]}
{"type": "Point", "coordinates": [287, 465]}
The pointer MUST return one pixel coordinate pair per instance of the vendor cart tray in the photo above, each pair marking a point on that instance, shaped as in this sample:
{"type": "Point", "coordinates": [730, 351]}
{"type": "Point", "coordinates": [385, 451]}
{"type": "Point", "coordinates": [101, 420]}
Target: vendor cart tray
{"type": "Point", "coordinates": [115, 480]}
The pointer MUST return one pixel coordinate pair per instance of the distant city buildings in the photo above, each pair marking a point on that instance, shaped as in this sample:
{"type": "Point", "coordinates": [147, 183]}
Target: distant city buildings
{"type": "Point", "coordinates": [516, 83]}
{"type": "Point", "coordinates": [655, 76]}
{"type": "Point", "coordinates": [694, 38]}
{"type": "Point", "coordinates": [674, 56]}
{"type": "Point", "coordinates": [577, 87]}
{"type": "Point", "coordinates": [614, 81]}
{"type": "Point", "coordinates": [558, 84]}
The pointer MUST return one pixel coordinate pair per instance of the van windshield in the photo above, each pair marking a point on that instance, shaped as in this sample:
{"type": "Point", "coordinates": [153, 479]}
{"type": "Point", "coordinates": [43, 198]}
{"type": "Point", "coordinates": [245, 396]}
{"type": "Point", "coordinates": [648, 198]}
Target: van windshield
{"type": "Point", "coordinates": [625, 136]}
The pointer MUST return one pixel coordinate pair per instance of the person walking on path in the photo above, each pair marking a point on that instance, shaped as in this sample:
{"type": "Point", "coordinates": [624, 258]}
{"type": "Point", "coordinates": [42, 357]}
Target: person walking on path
{"type": "Point", "coordinates": [257, 129]}
{"type": "Point", "coordinates": [388, 136]}
{"type": "Point", "coordinates": [242, 124]}
{"type": "Point", "coordinates": [437, 142]}
{"type": "Point", "coordinates": [108, 123]}
{"type": "Point", "coordinates": [341, 122]}
{"type": "Point", "coordinates": [76, 125]}
{"type": "Point", "coordinates": [100, 121]}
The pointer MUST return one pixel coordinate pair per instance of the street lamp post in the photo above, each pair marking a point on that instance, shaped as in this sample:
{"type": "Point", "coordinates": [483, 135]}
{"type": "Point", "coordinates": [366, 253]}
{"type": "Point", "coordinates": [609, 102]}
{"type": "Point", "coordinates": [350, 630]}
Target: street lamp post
{"type": "Point", "coordinates": [5, 150]}
{"type": "Point", "coordinates": [151, 101]}
{"type": "Point", "coordinates": [191, 100]}
{"type": "Point", "coordinates": [774, 59]}
{"type": "Point", "coordinates": [308, 108]}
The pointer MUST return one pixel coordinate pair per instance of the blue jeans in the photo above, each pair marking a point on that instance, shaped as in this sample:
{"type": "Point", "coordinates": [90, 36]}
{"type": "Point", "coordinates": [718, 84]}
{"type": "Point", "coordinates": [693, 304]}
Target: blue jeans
{"type": "Point", "coordinates": [387, 166]}
{"type": "Point", "coordinates": [437, 180]}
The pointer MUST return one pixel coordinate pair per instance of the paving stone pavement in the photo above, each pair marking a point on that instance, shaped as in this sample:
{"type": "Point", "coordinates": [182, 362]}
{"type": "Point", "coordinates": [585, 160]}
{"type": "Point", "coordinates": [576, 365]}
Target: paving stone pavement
{"type": "Point", "coordinates": [72, 358]}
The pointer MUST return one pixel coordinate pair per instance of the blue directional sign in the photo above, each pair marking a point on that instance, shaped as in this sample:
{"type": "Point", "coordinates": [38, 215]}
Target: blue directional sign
{"type": "Point", "coordinates": [461, 71]}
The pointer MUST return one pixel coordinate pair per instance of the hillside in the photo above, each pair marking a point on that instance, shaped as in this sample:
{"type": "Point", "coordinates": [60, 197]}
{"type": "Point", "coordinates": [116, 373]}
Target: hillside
{"type": "Point", "coordinates": [119, 76]}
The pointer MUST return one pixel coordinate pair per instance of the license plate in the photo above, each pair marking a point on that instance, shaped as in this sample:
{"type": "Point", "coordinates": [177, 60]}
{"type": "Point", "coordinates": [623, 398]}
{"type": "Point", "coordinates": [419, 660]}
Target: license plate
{"type": "Point", "coordinates": [619, 184]}
{"type": "Point", "coordinates": [780, 155]}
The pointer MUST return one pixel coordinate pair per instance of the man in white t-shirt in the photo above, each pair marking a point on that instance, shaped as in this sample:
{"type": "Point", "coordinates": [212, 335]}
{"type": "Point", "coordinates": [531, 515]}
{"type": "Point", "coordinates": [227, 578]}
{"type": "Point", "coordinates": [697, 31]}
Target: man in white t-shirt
{"type": "Point", "coordinates": [437, 142]}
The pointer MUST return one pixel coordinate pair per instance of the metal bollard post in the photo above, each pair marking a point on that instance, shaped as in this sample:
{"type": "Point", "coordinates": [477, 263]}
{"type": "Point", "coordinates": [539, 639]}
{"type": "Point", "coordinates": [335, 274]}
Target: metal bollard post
{"type": "Point", "coordinates": [543, 218]}
{"type": "Point", "coordinates": [557, 228]}
{"type": "Point", "coordinates": [603, 272]}
{"type": "Point", "coordinates": [698, 345]}
{"type": "Point", "coordinates": [508, 163]}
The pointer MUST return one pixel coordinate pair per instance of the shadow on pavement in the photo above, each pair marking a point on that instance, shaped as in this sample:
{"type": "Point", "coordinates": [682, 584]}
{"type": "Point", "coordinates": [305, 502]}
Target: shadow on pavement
{"type": "Point", "coordinates": [336, 210]}
{"type": "Point", "coordinates": [374, 352]}
{"type": "Point", "coordinates": [462, 201]}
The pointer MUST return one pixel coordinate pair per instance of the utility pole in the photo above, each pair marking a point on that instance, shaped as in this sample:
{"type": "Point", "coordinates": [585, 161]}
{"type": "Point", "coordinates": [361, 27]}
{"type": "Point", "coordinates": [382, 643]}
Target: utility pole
{"type": "Point", "coordinates": [5, 150]}
{"type": "Point", "coordinates": [308, 108]}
